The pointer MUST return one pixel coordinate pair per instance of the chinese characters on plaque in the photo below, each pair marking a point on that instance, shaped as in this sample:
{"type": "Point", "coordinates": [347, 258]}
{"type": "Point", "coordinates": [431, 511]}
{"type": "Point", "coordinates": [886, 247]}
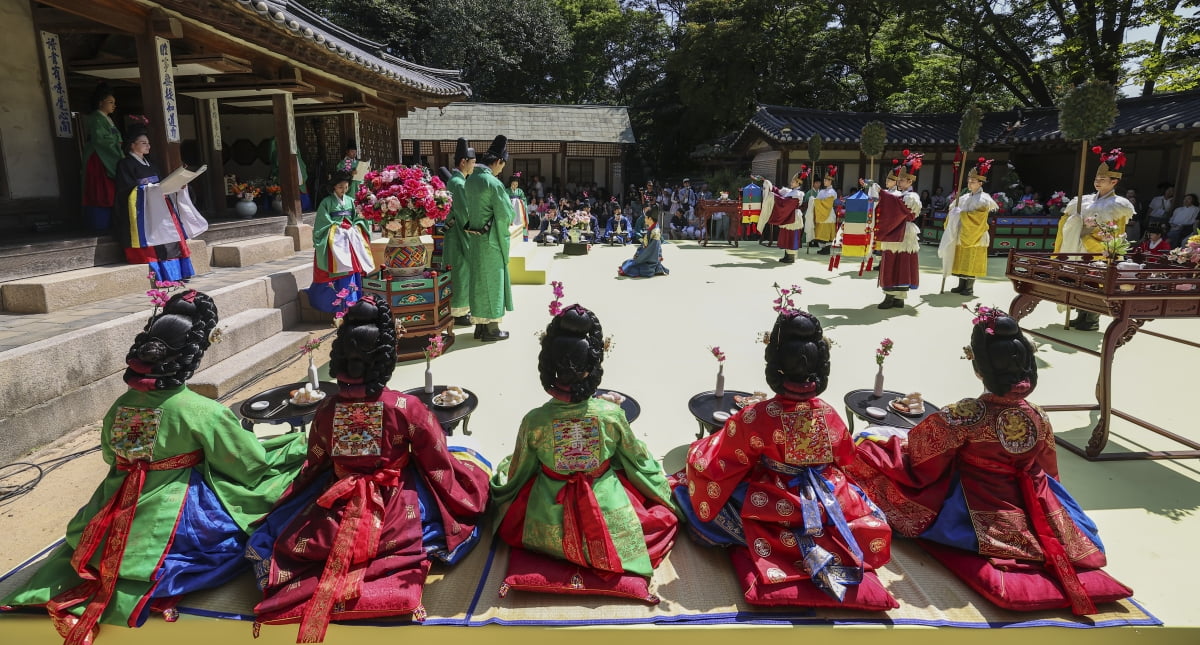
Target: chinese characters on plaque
{"type": "Point", "coordinates": [167, 84]}
{"type": "Point", "coordinates": [56, 84]}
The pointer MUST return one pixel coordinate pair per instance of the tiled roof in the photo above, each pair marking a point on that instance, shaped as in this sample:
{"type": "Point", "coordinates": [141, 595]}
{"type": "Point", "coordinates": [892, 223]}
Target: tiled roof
{"type": "Point", "coordinates": [309, 26]}
{"type": "Point", "coordinates": [521, 122]}
{"type": "Point", "coordinates": [780, 125]}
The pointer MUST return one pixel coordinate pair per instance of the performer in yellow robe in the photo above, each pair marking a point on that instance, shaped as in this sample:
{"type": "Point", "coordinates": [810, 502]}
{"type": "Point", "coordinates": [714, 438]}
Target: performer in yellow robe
{"type": "Point", "coordinates": [1079, 226]}
{"type": "Point", "coordinates": [964, 246]}
{"type": "Point", "coordinates": [821, 220]}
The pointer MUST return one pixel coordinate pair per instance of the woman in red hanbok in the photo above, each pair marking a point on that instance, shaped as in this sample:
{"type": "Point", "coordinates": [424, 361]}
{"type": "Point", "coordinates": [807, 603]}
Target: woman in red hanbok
{"type": "Point", "coordinates": [770, 486]}
{"type": "Point", "coordinates": [981, 476]}
{"type": "Point", "coordinates": [397, 496]}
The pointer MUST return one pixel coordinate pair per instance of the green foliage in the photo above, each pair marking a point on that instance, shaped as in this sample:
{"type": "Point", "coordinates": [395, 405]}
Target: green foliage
{"type": "Point", "coordinates": [968, 130]}
{"type": "Point", "coordinates": [814, 148]}
{"type": "Point", "coordinates": [729, 179]}
{"type": "Point", "coordinates": [874, 138]}
{"type": "Point", "coordinates": [1088, 111]}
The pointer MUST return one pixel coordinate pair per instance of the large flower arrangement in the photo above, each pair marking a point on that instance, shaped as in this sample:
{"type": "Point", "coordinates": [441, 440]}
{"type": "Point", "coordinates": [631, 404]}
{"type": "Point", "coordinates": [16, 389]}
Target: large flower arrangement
{"type": "Point", "coordinates": [399, 195]}
{"type": "Point", "coordinates": [1027, 208]}
{"type": "Point", "coordinates": [1056, 203]}
{"type": "Point", "coordinates": [578, 220]}
{"type": "Point", "coordinates": [1114, 242]}
{"type": "Point", "coordinates": [1004, 202]}
{"type": "Point", "coordinates": [1188, 253]}
{"type": "Point", "coordinates": [246, 190]}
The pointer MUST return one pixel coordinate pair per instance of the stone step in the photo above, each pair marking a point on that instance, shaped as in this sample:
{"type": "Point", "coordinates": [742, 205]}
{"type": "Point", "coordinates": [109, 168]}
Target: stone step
{"type": "Point", "coordinates": [242, 331]}
{"type": "Point", "coordinates": [240, 253]}
{"type": "Point", "coordinates": [58, 291]}
{"type": "Point", "coordinates": [228, 375]}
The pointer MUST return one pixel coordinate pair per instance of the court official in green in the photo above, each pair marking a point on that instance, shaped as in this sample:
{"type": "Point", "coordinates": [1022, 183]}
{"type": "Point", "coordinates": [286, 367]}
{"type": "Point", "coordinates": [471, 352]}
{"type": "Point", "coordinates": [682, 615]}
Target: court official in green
{"type": "Point", "coordinates": [489, 216]}
{"type": "Point", "coordinates": [456, 245]}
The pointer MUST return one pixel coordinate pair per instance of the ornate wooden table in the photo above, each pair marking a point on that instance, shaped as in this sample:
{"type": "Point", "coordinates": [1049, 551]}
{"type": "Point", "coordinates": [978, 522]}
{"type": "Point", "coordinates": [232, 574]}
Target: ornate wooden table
{"type": "Point", "coordinates": [706, 208]}
{"type": "Point", "coordinates": [1159, 290]}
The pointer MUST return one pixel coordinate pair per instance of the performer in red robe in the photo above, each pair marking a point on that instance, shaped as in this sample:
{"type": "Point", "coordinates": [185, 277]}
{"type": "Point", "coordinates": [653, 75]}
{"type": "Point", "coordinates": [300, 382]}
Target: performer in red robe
{"type": "Point", "coordinates": [389, 496]}
{"type": "Point", "coordinates": [770, 485]}
{"type": "Point", "coordinates": [783, 208]}
{"type": "Point", "coordinates": [898, 234]}
{"type": "Point", "coordinates": [982, 476]}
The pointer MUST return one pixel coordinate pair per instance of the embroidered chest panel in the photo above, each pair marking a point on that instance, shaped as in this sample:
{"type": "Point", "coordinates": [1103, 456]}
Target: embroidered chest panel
{"type": "Point", "coordinates": [1016, 432]}
{"type": "Point", "coordinates": [805, 437]}
{"type": "Point", "coordinates": [576, 444]}
{"type": "Point", "coordinates": [134, 432]}
{"type": "Point", "coordinates": [357, 429]}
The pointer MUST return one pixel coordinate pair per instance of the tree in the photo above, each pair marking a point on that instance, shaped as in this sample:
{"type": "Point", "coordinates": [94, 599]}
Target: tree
{"type": "Point", "coordinates": [507, 50]}
{"type": "Point", "coordinates": [1035, 49]}
{"type": "Point", "coordinates": [1171, 62]}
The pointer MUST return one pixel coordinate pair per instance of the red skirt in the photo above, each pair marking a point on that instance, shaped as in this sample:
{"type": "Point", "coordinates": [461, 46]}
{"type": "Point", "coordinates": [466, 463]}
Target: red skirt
{"type": "Point", "coordinates": [899, 271]}
{"type": "Point", "coordinates": [98, 187]}
{"type": "Point", "coordinates": [659, 524]}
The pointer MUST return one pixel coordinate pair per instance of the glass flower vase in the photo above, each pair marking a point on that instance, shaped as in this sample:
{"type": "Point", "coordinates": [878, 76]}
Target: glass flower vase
{"type": "Point", "coordinates": [879, 382]}
{"type": "Point", "coordinates": [428, 379]}
{"type": "Point", "coordinates": [720, 389]}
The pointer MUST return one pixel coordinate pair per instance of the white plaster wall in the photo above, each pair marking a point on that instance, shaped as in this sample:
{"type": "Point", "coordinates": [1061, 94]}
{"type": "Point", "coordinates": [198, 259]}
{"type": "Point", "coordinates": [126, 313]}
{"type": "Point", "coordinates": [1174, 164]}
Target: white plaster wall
{"type": "Point", "coordinates": [24, 113]}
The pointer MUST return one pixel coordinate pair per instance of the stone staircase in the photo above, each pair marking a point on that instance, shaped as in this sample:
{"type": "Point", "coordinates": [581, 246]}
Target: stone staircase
{"type": "Point", "coordinates": [63, 289]}
{"type": "Point", "coordinates": [69, 377]}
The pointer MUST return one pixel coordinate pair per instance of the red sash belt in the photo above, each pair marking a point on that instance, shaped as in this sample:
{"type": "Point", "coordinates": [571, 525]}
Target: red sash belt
{"type": "Point", "coordinates": [354, 546]}
{"type": "Point", "coordinates": [1052, 549]}
{"type": "Point", "coordinates": [583, 522]}
{"type": "Point", "coordinates": [115, 518]}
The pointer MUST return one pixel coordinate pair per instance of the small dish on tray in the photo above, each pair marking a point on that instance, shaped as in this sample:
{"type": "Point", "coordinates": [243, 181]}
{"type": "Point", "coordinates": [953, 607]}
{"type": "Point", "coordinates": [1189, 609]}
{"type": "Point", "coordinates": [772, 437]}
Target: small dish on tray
{"type": "Point", "coordinates": [305, 398]}
{"type": "Point", "coordinates": [743, 401]}
{"type": "Point", "coordinates": [876, 413]}
{"type": "Point", "coordinates": [902, 407]}
{"type": "Point", "coordinates": [451, 397]}
{"type": "Point", "coordinates": [259, 406]}
{"type": "Point", "coordinates": [720, 416]}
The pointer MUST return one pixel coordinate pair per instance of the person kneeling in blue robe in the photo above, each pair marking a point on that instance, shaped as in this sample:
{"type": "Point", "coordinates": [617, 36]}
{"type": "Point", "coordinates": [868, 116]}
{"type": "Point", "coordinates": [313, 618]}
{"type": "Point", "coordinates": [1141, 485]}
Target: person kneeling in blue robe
{"type": "Point", "coordinates": [647, 262]}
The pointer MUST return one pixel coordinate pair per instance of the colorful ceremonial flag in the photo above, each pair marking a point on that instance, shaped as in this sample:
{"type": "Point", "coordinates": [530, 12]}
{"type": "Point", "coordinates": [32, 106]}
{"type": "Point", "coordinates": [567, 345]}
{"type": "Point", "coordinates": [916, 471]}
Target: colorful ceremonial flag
{"type": "Point", "coordinates": [752, 197]}
{"type": "Point", "coordinates": [856, 235]}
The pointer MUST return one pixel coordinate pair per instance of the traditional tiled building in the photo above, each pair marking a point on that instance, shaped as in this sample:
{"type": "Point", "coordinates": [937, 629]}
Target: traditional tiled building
{"type": "Point", "coordinates": [220, 80]}
{"type": "Point", "coordinates": [1159, 134]}
{"type": "Point", "coordinates": [565, 144]}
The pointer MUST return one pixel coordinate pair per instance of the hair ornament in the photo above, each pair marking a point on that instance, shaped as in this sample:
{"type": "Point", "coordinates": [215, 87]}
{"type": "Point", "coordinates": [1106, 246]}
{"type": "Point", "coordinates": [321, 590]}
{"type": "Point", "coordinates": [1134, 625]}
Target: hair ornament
{"type": "Point", "coordinates": [556, 307]}
{"type": "Point", "coordinates": [785, 304]}
{"type": "Point", "coordinates": [986, 316]}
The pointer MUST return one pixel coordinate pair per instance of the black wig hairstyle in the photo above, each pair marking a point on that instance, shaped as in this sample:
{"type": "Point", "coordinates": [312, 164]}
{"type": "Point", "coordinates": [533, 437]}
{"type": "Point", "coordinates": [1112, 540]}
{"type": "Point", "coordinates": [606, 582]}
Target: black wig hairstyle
{"type": "Point", "coordinates": [365, 345]}
{"type": "Point", "coordinates": [338, 177]}
{"type": "Point", "coordinates": [174, 340]}
{"type": "Point", "coordinates": [1003, 357]}
{"type": "Point", "coordinates": [103, 90]}
{"type": "Point", "coordinates": [572, 354]}
{"type": "Point", "coordinates": [136, 130]}
{"type": "Point", "coordinates": [797, 352]}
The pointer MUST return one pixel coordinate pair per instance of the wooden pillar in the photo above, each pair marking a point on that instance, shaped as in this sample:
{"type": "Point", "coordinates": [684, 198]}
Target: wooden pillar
{"type": "Point", "coordinates": [563, 151]}
{"type": "Point", "coordinates": [208, 133]}
{"type": "Point", "coordinates": [285, 145]}
{"type": "Point", "coordinates": [1181, 171]}
{"type": "Point", "coordinates": [165, 152]}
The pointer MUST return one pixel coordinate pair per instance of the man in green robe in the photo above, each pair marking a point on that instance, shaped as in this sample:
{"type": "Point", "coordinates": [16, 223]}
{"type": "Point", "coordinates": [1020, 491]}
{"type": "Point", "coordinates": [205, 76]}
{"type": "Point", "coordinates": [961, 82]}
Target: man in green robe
{"type": "Point", "coordinates": [489, 216]}
{"type": "Point", "coordinates": [457, 244]}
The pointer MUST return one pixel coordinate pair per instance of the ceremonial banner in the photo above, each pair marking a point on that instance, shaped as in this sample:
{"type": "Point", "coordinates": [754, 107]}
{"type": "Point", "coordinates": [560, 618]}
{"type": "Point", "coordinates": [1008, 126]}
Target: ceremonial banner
{"type": "Point", "coordinates": [752, 198]}
{"type": "Point", "coordinates": [855, 232]}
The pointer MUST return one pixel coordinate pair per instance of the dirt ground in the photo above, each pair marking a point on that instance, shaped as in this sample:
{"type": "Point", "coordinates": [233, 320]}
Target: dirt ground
{"type": "Point", "coordinates": [31, 521]}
